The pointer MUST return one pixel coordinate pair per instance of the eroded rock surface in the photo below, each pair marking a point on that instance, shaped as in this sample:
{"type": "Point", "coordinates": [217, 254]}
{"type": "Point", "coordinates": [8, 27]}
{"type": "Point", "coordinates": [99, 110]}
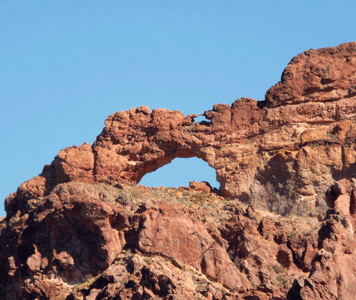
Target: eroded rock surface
{"type": "Point", "coordinates": [282, 225]}
{"type": "Point", "coordinates": [333, 273]}
{"type": "Point", "coordinates": [83, 241]}
{"type": "Point", "coordinates": [281, 154]}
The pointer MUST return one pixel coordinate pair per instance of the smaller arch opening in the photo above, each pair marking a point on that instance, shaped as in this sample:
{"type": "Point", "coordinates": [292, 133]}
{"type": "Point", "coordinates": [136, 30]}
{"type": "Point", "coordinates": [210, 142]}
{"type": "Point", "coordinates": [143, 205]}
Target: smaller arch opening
{"type": "Point", "coordinates": [180, 172]}
{"type": "Point", "coordinates": [202, 120]}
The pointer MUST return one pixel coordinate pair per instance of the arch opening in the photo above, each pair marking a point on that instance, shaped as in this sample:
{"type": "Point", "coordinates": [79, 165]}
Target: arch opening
{"type": "Point", "coordinates": [202, 120]}
{"type": "Point", "coordinates": [180, 172]}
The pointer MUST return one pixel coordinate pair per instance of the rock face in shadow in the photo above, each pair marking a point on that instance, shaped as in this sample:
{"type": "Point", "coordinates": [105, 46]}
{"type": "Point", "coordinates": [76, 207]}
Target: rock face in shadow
{"type": "Point", "coordinates": [333, 273]}
{"type": "Point", "coordinates": [101, 241]}
{"type": "Point", "coordinates": [282, 225]}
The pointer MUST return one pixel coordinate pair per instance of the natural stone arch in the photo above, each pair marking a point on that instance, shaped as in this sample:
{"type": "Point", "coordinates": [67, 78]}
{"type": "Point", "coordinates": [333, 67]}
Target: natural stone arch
{"type": "Point", "coordinates": [136, 142]}
{"type": "Point", "coordinates": [139, 141]}
{"type": "Point", "coordinates": [306, 123]}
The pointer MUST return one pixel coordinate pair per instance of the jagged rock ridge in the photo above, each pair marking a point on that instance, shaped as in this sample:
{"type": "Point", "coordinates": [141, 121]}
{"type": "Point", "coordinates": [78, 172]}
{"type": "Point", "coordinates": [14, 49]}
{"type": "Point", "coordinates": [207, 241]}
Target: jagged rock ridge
{"type": "Point", "coordinates": [83, 229]}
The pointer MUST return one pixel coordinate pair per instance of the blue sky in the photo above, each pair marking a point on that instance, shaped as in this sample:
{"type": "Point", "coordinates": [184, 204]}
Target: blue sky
{"type": "Point", "coordinates": [67, 65]}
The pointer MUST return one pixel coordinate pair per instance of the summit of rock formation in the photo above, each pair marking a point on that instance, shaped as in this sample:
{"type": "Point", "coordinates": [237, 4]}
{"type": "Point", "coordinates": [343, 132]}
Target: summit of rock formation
{"type": "Point", "coordinates": [281, 226]}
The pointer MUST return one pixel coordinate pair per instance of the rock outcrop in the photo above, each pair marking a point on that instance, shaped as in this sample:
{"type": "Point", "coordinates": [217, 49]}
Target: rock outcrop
{"type": "Point", "coordinates": [281, 154]}
{"type": "Point", "coordinates": [282, 225]}
{"type": "Point", "coordinates": [99, 241]}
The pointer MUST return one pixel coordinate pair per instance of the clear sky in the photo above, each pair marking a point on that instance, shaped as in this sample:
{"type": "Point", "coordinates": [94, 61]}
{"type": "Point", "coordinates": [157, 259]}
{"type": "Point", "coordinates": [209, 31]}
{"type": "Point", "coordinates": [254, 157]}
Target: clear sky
{"type": "Point", "coordinates": [65, 66]}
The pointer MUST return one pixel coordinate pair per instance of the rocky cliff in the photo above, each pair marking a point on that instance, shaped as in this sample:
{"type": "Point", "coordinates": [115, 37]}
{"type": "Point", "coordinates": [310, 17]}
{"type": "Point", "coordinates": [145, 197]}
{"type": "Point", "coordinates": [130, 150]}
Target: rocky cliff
{"type": "Point", "coordinates": [280, 227]}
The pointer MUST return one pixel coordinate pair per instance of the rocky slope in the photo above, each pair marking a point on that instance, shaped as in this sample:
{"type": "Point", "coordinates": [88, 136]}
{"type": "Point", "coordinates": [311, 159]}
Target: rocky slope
{"type": "Point", "coordinates": [280, 227]}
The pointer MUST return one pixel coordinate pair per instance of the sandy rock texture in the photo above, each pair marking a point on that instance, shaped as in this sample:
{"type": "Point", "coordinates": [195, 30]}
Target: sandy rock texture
{"type": "Point", "coordinates": [282, 225]}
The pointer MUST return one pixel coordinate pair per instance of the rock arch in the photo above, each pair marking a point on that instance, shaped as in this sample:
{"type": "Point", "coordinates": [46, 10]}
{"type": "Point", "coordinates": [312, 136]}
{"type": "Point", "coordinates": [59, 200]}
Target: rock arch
{"type": "Point", "coordinates": [306, 123]}
{"type": "Point", "coordinates": [136, 142]}
{"type": "Point", "coordinates": [139, 141]}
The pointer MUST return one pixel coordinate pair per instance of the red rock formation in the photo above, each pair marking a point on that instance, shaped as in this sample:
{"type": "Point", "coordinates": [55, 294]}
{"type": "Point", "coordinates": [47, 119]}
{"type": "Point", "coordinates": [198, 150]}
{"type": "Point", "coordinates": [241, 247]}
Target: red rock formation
{"type": "Point", "coordinates": [282, 153]}
{"type": "Point", "coordinates": [333, 273]}
{"type": "Point", "coordinates": [126, 240]}
{"type": "Point", "coordinates": [323, 75]}
{"type": "Point", "coordinates": [83, 229]}
{"type": "Point", "coordinates": [201, 186]}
